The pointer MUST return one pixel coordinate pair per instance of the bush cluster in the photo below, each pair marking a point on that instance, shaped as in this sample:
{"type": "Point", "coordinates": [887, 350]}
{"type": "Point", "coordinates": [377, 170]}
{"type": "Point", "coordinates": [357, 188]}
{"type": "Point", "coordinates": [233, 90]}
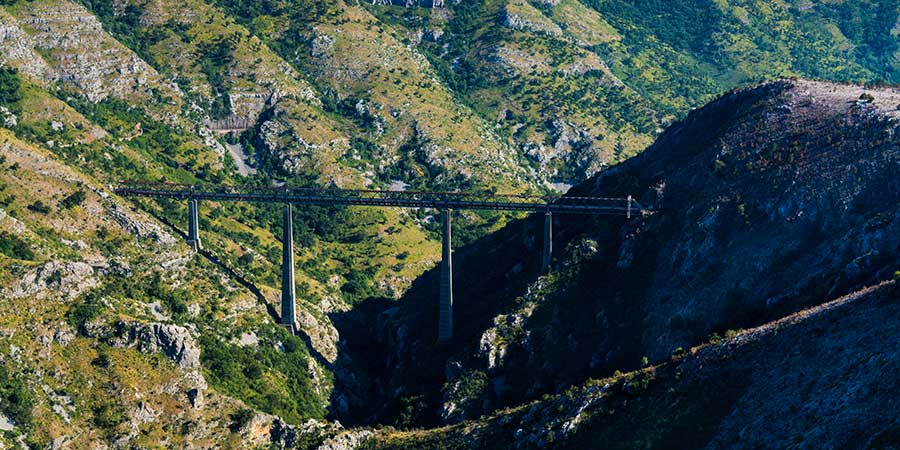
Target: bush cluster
{"type": "Point", "coordinates": [271, 379]}
{"type": "Point", "coordinates": [14, 247]}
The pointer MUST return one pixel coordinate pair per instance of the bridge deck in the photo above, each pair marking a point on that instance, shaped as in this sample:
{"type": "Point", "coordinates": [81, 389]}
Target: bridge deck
{"type": "Point", "coordinates": [400, 199]}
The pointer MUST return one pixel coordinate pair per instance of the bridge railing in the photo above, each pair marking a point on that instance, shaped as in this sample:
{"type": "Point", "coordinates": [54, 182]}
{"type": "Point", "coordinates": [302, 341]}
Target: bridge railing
{"type": "Point", "coordinates": [372, 197]}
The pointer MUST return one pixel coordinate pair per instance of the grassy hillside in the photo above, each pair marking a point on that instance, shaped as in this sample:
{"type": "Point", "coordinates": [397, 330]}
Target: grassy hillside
{"type": "Point", "coordinates": [577, 85]}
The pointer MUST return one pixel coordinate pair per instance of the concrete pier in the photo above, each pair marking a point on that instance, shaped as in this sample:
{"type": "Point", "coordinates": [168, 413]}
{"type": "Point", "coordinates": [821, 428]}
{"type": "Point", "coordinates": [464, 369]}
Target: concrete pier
{"type": "Point", "coordinates": [193, 225]}
{"type": "Point", "coordinates": [288, 303]}
{"type": "Point", "coordinates": [445, 321]}
{"type": "Point", "coordinates": [548, 242]}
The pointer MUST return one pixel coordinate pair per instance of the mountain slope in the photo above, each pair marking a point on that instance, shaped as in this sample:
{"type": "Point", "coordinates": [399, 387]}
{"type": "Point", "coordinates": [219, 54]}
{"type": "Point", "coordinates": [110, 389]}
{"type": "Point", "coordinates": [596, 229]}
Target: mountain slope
{"type": "Point", "coordinates": [579, 85]}
{"type": "Point", "coordinates": [768, 200]}
{"type": "Point", "coordinates": [817, 379]}
{"type": "Point", "coordinates": [495, 95]}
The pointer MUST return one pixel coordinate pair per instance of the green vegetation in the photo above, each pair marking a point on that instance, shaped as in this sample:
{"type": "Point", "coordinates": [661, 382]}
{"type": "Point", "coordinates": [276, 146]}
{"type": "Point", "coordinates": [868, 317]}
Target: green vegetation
{"type": "Point", "coordinates": [15, 398]}
{"type": "Point", "coordinates": [144, 290]}
{"type": "Point", "coordinates": [240, 419]}
{"type": "Point", "coordinates": [85, 310]}
{"type": "Point", "coordinates": [39, 207]}
{"type": "Point", "coordinates": [274, 380]}
{"type": "Point", "coordinates": [74, 199]}
{"type": "Point", "coordinates": [14, 247]}
{"type": "Point", "coordinates": [215, 57]}
{"type": "Point", "coordinates": [176, 149]}
{"type": "Point", "coordinates": [10, 89]}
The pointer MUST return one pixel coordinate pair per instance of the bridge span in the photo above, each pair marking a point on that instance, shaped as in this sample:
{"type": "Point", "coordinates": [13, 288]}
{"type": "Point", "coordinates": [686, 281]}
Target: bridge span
{"type": "Point", "coordinates": [442, 201]}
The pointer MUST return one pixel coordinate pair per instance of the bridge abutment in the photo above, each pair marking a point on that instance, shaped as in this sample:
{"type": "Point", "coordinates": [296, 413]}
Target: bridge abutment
{"type": "Point", "coordinates": [445, 321]}
{"type": "Point", "coordinates": [193, 225]}
{"type": "Point", "coordinates": [288, 303]}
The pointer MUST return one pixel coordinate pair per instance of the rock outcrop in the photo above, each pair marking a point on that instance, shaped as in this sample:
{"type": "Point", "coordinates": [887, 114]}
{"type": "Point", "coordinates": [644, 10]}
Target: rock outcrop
{"type": "Point", "coordinates": [174, 341]}
{"type": "Point", "coordinates": [56, 280]}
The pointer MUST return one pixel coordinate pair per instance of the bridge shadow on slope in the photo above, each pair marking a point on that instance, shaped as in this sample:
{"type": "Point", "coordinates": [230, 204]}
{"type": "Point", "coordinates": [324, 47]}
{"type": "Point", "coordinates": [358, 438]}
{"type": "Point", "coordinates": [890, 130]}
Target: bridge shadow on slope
{"type": "Point", "coordinates": [270, 310]}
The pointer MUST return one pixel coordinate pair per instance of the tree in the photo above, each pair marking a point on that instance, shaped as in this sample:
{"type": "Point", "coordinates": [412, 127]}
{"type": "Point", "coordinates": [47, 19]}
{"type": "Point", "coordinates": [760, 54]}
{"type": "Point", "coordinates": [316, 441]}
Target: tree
{"type": "Point", "coordinates": [10, 89]}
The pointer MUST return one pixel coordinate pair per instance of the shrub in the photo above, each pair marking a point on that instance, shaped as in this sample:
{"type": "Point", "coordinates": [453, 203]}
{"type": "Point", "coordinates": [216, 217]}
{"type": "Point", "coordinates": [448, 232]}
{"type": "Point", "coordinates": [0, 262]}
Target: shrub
{"type": "Point", "coordinates": [731, 334]}
{"type": "Point", "coordinates": [107, 416]}
{"type": "Point", "coordinates": [10, 89]}
{"type": "Point", "coordinates": [85, 310]}
{"type": "Point", "coordinates": [240, 419]}
{"type": "Point", "coordinates": [39, 207]}
{"type": "Point", "coordinates": [242, 373]}
{"type": "Point", "coordinates": [15, 398]}
{"type": "Point", "coordinates": [73, 200]}
{"type": "Point", "coordinates": [12, 246]}
{"type": "Point", "coordinates": [174, 299]}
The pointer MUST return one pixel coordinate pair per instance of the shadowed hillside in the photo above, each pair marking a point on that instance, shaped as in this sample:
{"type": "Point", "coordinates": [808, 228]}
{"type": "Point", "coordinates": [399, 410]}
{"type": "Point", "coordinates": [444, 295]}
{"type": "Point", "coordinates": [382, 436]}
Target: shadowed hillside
{"type": "Point", "coordinates": [770, 199]}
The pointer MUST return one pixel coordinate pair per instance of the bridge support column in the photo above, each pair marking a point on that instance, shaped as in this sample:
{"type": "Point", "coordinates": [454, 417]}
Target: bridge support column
{"type": "Point", "coordinates": [445, 321]}
{"type": "Point", "coordinates": [193, 225]}
{"type": "Point", "coordinates": [288, 304]}
{"type": "Point", "coordinates": [548, 242]}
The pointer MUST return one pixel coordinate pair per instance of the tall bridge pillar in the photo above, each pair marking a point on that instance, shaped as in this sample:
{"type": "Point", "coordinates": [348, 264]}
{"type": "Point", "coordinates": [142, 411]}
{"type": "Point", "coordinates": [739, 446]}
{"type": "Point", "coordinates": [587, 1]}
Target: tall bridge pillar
{"type": "Point", "coordinates": [193, 225]}
{"type": "Point", "coordinates": [548, 241]}
{"type": "Point", "coordinates": [288, 304]}
{"type": "Point", "coordinates": [445, 321]}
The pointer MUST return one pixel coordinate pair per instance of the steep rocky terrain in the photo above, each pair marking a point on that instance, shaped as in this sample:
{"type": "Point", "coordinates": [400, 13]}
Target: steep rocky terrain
{"type": "Point", "coordinates": [822, 378]}
{"type": "Point", "coordinates": [768, 200]}
{"type": "Point", "coordinates": [115, 335]}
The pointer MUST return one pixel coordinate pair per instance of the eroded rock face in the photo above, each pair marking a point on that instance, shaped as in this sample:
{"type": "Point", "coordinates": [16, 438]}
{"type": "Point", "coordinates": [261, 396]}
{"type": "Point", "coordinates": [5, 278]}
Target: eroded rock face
{"type": "Point", "coordinates": [8, 119]}
{"type": "Point", "coordinates": [18, 48]}
{"type": "Point", "coordinates": [286, 436]}
{"type": "Point", "coordinates": [93, 62]}
{"type": "Point", "coordinates": [523, 16]}
{"type": "Point", "coordinates": [57, 280]}
{"type": "Point", "coordinates": [349, 440]}
{"type": "Point", "coordinates": [175, 341]}
{"type": "Point", "coordinates": [138, 227]}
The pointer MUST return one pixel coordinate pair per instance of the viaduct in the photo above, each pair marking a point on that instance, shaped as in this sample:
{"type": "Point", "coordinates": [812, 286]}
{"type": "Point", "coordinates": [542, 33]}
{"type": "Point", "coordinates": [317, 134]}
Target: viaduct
{"type": "Point", "coordinates": [442, 201]}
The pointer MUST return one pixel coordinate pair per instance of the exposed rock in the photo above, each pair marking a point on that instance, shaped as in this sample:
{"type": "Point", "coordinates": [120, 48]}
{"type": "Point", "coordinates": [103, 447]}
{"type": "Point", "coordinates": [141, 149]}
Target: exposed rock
{"type": "Point", "coordinates": [248, 340]}
{"type": "Point", "coordinates": [348, 440]}
{"type": "Point", "coordinates": [285, 436]}
{"type": "Point", "coordinates": [9, 119]}
{"type": "Point", "coordinates": [18, 48]}
{"type": "Point", "coordinates": [92, 59]}
{"type": "Point", "coordinates": [323, 336]}
{"type": "Point", "coordinates": [522, 16]}
{"type": "Point", "coordinates": [799, 215]}
{"type": "Point", "coordinates": [195, 396]}
{"type": "Point", "coordinates": [321, 45]}
{"type": "Point", "coordinates": [141, 228]}
{"type": "Point", "coordinates": [57, 280]}
{"type": "Point", "coordinates": [175, 341]}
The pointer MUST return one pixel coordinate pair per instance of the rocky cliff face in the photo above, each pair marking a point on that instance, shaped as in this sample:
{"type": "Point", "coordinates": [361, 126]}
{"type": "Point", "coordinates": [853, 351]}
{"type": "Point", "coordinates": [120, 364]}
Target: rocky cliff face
{"type": "Point", "coordinates": [817, 379]}
{"type": "Point", "coordinates": [768, 200]}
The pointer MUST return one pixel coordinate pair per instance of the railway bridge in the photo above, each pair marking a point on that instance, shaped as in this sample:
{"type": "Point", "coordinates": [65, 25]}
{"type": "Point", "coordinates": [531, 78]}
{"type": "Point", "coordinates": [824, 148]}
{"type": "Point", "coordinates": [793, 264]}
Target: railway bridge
{"type": "Point", "coordinates": [442, 201]}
